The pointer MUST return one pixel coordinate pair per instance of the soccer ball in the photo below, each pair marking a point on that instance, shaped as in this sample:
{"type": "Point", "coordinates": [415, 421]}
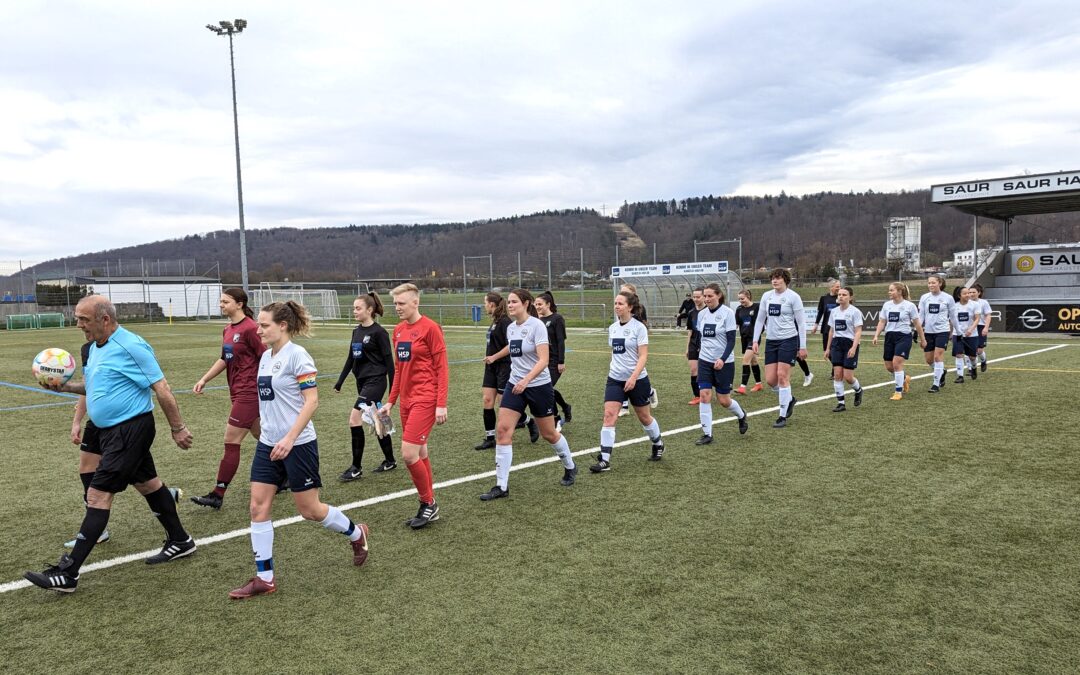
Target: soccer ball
{"type": "Point", "coordinates": [53, 366]}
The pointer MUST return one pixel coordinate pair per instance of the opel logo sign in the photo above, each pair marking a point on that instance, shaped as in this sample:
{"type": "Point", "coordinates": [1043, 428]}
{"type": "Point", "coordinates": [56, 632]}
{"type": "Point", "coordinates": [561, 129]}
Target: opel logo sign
{"type": "Point", "coordinates": [1032, 318]}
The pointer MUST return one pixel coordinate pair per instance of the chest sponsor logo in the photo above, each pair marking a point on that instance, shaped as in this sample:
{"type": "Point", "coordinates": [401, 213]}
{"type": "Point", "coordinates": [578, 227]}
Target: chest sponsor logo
{"type": "Point", "coordinates": [515, 347]}
{"type": "Point", "coordinates": [404, 352]}
{"type": "Point", "coordinates": [266, 388]}
{"type": "Point", "coordinates": [933, 309]}
{"type": "Point", "coordinates": [618, 345]}
{"type": "Point", "coordinates": [774, 310]}
{"type": "Point", "coordinates": [708, 330]}
{"type": "Point", "coordinates": [962, 316]}
{"type": "Point", "coordinates": [358, 349]}
{"type": "Point", "coordinates": [227, 352]}
{"type": "Point", "coordinates": [894, 317]}
{"type": "Point", "coordinates": [841, 324]}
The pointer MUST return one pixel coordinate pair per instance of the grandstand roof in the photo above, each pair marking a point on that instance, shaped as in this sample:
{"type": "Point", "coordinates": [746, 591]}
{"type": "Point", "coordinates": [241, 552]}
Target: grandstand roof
{"type": "Point", "coordinates": [1004, 198]}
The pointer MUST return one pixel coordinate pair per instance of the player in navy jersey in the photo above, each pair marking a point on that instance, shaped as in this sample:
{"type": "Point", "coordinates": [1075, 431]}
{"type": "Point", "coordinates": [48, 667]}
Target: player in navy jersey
{"type": "Point", "coordinates": [240, 352]}
{"type": "Point", "coordinates": [627, 378]}
{"type": "Point", "coordinates": [288, 450]}
{"type": "Point", "coordinates": [898, 316]}
{"type": "Point", "coordinates": [529, 387]}
{"type": "Point", "coordinates": [935, 313]}
{"type": "Point", "coordinates": [370, 361]}
{"type": "Point", "coordinates": [965, 325]}
{"type": "Point", "coordinates": [782, 308]}
{"type": "Point", "coordinates": [984, 323]}
{"type": "Point", "coordinates": [745, 317]}
{"type": "Point", "coordinates": [693, 341]}
{"type": "Point", "coordinates": [548, 312]}
{"type": "Point", "coordinates": [826, 304]}
{"type": "Point", "coordinates": [716, 364]}
{"type": "Point", "coordinates": [845, 330]}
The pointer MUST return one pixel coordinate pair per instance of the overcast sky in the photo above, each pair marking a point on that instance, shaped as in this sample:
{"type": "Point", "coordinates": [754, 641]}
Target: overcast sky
{"type": "Point", "coordinates": [116, 124]}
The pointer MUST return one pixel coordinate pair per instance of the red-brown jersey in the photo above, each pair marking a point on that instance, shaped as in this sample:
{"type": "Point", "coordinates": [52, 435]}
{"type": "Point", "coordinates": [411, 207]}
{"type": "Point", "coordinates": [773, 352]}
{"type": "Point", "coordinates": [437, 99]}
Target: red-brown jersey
{"type": "Point", "coordinates": [421, 370]}
{"type": "Point", "coordinates": [241, 349]}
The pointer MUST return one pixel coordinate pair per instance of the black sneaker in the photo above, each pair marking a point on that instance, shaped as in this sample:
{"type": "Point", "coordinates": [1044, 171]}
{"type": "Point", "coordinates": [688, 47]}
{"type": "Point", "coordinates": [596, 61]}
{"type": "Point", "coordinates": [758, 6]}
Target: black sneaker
{"type": "Point", "coordinates": [941, 385]}
{"type": "Point", "coordinates": [858, 398]}
{"type": "Point", "coordinates": [982, 367]}
{"type": "Point", "coordinates": [494, 493]}
{"type": "Point", "coordinates": [534, 431]}
{"type": "Point", "coordinates": [569, 476]}
{"type": "Point", "coordinates": [212, 500]}
{"type": "Point", "coordinates": [520, 423]}
{"type": "Point", "coordinates": [601, 466]}
{"type": "Point", "coordinates": [171, 550]}
{"type": "Point", "coordinates": [974, 373]}
{"type": "Point", "coordinates": [791, 407]}
{"type": "Point", "coordinates": [933, 389]}
{"type": "Point", "coordinates": [959, 379]}
{"type": "Point", "coordinates": [840, 407]}
{"type": "Point", "coordinates": [55, 577]}
{"type": "Point", "coordinates": [487, 444]}
{"type": "Point", "coordinates": [704, 440]}
{"type": "Point", "coordinates": [350, 474]}
{"type": "Point", "coordinates": [567, 417]}
{"type": "Point", "coordinates": [744, 425]}
{"type": "Point", "coordinates": [426, 514]}
{"type": "Point", "coordinates": [387, 465]}
{"type": "Point", "coordinates": [780, 422]}
{"type": "Point", "coordinates": [657, 452]}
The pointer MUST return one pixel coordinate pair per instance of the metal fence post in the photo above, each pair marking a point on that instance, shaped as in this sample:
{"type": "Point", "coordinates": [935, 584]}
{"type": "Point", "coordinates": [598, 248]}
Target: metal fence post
{"type": "Point", "coordinates": [581, 288]}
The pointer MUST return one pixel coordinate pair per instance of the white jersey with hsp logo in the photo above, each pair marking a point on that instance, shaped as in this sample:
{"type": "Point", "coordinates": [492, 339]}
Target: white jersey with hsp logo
{"type": "Point", "coordinates": [898, 316]}
{"type": "Point", "coordinates": [522, 339]}
{"type": "Point", "coordinates": [713, 326]}
{"type": "Point", "coordinates": [843, 322]}
{"type": "Point", "coordinates": [964, 315]}
{"type": "Point", "coordinates": [782, 317]}
{"type": "Point", "coordinates": [282, 376]}
{"type": "Point", "coordinates": [935, 312]}
{"type": "Point", "coordinates": [984, 312]}
{"type": "Point", "coordinates": [624, 339]}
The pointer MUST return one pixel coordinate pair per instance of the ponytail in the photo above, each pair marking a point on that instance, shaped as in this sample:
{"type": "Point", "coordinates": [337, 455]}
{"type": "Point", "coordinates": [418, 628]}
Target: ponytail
{"type": "Point", "coordinates": [241, 297]}
{"type": "Point", "coordinates": [372, 302]}
{"type": "Point", "coordinates": [295, 317]}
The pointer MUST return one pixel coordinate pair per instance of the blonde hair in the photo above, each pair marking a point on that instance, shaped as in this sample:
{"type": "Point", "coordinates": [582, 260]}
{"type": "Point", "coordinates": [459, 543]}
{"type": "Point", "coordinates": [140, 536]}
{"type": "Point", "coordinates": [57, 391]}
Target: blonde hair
{"type": "Point", "coordinates": [405, 288]}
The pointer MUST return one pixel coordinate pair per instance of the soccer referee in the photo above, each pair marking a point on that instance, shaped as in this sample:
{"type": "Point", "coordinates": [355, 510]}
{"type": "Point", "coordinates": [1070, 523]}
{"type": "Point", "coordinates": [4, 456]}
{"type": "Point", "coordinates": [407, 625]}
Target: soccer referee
{"type": "Point", "coordinates": [119, 376]}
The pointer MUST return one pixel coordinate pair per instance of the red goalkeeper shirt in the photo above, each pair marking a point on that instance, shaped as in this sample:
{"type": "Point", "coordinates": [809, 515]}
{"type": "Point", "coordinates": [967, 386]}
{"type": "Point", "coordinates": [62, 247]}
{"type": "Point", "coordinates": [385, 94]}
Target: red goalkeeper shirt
{"type": "Point", "coordinates": [421, 372]}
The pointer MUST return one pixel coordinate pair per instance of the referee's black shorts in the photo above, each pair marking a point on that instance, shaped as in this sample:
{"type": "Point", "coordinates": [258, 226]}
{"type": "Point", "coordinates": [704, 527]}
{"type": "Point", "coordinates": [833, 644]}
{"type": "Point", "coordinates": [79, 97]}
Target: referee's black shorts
{"type": "Point", "coordinates": [125, 454]}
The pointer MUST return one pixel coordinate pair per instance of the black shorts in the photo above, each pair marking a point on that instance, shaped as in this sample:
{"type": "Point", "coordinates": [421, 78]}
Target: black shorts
{"type": "Point", "coordinates": [982, 338]}
{"type": "Point", "coordinates": [965, 346]}
{"type": "Point", "coordinates": [496, 375]}
{"type": "Point", "coordinates": [615, 391]}
{"type": "Point", "coordinates": [300, 467]}
{"type": "Point", "coordinates": [747, 340]}
{"type": "Point", "coordinates": [90, 442]}
{"type": "Point", "coordinates": [125, 454]}
{"type": "Point", "coordinates": [838, 354]}
{"type": "Point", "coordinates": [693, 350]}
{"type": "Point", "coordinates": [553, 371]}
{"type": "Point", "coordinates": [539, 399]}
{"type": "Point", "coordinates": [370, 390]}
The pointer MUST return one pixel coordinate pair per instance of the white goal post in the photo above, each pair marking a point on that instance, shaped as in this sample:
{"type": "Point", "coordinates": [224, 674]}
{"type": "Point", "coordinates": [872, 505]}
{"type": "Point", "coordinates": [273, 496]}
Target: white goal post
{"type": "Point", "coordinates": [662, 288]}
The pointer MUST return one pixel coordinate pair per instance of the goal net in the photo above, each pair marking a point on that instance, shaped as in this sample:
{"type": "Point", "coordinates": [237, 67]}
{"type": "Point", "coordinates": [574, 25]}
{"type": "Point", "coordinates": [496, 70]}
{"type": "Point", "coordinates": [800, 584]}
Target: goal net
{"type": "Point", "coordinates": [322, 304]}
{"type": "Point", "coordinates": [662, 288]}
{"type": "Point", "coordinates": [20, 321]}
{"type": "Point", "coordinates": [50, 320]}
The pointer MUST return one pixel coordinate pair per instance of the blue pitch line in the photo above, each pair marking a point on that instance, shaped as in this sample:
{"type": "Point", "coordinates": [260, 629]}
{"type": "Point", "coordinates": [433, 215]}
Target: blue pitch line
{"type": "Point", "coordinates": [40, 390]}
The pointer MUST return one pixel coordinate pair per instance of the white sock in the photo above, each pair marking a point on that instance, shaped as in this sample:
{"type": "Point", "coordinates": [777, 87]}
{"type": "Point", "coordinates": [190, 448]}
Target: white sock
{"type": "Point", "coordinates": [705, 416]}
{"type": "Point", "coordinates": [785, 400]}
{"type": "Point", "coordinates": [653, 430]}
{"type": "Point", "coordinates": [939, 372]}
{"type": "Point", "coordinates": [562, 449]}
{"type": "Point", "coordinates": [775, 388]}
{"type": "Point", "coordinates": [838, 387]}
{"type": "Point", "coordinates": [504, 457]}
{"type": "Point", "coordinates": [898, 377]}
{"type": "Point", "coordinates": [982, 357]}
{"type": "Point", "coordinates": [490, 433]}
{"type": "Point", "coordinates": [262, 542]}
{"type": "Point", "coordinates": [855, 384]}
{"type": "Point", "coordinates": [336, 521]}
{"type": "Point", "coordinates": [960, 366]}
{"type": "Point", "coordinates": [607, 436]}
{"type": "Point", "coordinates": [736, 409]}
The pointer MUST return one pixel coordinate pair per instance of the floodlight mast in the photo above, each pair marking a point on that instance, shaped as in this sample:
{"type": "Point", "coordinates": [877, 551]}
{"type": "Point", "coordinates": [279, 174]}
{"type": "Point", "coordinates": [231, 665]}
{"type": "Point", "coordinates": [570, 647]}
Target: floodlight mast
{"type": "Point", "coordinates": [230, 28]}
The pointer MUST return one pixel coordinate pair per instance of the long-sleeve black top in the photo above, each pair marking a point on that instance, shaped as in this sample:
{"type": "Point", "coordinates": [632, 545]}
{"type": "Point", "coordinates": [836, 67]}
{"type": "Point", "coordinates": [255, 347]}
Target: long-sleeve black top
{"type": "Point", "coordinates": [370, 355]}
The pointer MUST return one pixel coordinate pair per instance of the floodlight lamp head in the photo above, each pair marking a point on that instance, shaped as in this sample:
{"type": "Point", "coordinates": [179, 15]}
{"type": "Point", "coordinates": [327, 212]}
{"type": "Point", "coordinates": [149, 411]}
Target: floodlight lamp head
{"type": "Point", "coordinates": [214, 28]}
{"type": "Point", "coordinates": [227, 25]}
{"type": "Point", "coordinates": [240, 24]}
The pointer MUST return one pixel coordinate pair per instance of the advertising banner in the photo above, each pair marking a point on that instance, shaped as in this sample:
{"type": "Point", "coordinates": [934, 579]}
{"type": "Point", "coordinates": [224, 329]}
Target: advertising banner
{"type": "Point", "coordinates": [1055, 261]}
{"type": "Point", "coordinates": [673, 269]}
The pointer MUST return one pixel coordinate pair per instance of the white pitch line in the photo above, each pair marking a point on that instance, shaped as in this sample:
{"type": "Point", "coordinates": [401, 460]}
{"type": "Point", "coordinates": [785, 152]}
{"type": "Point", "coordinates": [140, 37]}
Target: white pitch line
{"type": "Point", "coordinates": [400, 494]}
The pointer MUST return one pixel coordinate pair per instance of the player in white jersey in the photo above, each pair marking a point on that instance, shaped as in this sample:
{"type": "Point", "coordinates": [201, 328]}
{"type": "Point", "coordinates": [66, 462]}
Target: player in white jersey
{"type": "Point", "coordinates": [627, 379]}
{"type": "Point", "coordinates": [716, 362]}
{"type": "Point", "coordinates": [898, 315]}
{"type": "Point", "coordinates": [782, 308]}
{"type": "Point", "coordinates": [529, 386]}
{"type": "Point", "coordinates": [845, 332]}
{"type": "Point", "coordinates": [984, 323]}
{"type": "Point", "coordinates": [965, 321]}
{"type": "Point", "coordinates": [287, 450]}
{"type": "Point", "coordinates": [935, 312]}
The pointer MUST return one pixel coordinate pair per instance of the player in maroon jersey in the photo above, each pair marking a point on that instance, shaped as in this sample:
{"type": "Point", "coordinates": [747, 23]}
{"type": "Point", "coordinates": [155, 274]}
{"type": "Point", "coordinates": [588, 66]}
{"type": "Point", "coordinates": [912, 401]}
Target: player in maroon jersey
{"type": "Point", "coordinates": [241, 349]}
{"type": "Point", "coordinates": [421, 382]}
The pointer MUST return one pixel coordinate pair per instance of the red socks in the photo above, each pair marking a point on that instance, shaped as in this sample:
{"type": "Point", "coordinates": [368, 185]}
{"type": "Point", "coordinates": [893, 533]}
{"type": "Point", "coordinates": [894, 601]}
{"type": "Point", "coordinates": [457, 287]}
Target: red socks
{"type": "Point", "coordinates": [227, 469]}
{"type": "Point", "coordinates": [420, 471]}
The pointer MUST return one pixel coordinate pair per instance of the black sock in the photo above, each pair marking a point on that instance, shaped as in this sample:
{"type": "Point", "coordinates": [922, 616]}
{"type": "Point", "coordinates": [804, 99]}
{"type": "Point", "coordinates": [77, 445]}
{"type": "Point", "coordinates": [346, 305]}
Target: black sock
{"type": "Point", "coordinates": [489, 420]}
{"type": "Point", "coordinates": [387, 448]}
{"type": "Point", "coordinates": [804, 366]}
{"type": "Point", "coordinates": [357, 445]}
{"type": "Point", "coordinates": [163, 506]}
{"type": "Point", "coordinates": [757, 372]}
{"type": "Point", "coordinates": [86, 478]}
{"type": "Point", "coordinates": [93, 524]}
{"type": "Point", "coordinates": [694, 387]}
{"type": "Point", "coordinates": [745, 375]}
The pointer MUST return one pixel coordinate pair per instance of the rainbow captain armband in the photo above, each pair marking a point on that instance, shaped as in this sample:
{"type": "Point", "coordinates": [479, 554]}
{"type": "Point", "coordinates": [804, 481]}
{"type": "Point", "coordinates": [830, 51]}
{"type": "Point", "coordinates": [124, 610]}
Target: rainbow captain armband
{"type": "Point", "coordinates": [306, 381]}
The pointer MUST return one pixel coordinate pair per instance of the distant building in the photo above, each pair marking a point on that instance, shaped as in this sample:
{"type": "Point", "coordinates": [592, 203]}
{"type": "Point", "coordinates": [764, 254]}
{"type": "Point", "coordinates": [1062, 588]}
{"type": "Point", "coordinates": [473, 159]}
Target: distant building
{"type": "Point", "coordinates": [967, 259]}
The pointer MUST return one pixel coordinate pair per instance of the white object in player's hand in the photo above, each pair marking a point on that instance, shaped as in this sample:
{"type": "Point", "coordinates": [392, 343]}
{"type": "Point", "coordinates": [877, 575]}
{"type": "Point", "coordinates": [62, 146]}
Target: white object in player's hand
{"type": "Point", "coordinates": [53, 367]}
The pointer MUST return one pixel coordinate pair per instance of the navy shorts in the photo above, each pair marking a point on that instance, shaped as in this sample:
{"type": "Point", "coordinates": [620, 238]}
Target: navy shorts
{"type": "Point", "coordinates": [125, 454]}
{"type": "Point", "coordinates": [897, 344]}
{"type": "Point", "coordinates": [936, 341]}
{"type": "Point", "coordinates": [838, 353]}
{"type": "Point", "coordinates": [638, 396]}
{"type": "Point", "coordinates": [496, 375]}
{"type": "Point", "coordinates": [539, 399]}
{"type": "Point", "coordinates": [720, 379]}
{"type": "Point", "coordinates": [300, 467]}
{"type": "Point", "coordinates": [370, 390]}
{"type": "Point", "coordinates": [982, 338]}
{"type": "Point", "coordinates": [967, 346]}
{"type": "Point", "coordinates": [90, 439]}
{"type": "Point", "coordinates": [781, 351]}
